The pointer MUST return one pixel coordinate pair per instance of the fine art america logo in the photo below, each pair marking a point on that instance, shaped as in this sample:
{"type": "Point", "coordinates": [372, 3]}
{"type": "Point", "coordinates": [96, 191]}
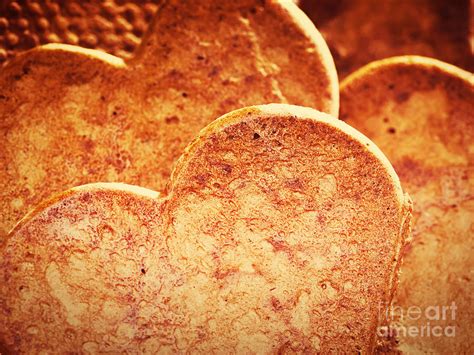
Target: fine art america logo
{"type": "Point", "coordinates": [415, 321]}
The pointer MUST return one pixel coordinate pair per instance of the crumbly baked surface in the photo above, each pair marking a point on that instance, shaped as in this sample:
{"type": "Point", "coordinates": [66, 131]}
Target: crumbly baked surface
{"type": "Point", "coordinates": [280, 232]}
{"type": "Point", "coordinates": [70, 116]}
{"type": "Point", "coordinates": [420, 112]}
{"type": "Point", "coordinates": [361, 31]}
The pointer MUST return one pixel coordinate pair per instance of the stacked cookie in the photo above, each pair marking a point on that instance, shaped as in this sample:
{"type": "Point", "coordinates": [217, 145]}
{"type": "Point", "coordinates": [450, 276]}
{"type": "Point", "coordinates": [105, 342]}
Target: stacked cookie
{"type": "Point", "coordinates": [275, 228]}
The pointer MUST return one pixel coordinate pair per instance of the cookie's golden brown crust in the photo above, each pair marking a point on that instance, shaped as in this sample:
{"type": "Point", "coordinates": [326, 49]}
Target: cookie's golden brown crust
{"type": "Point", "coordinates": [70, 116]}
{"type": "Point", "coordinates": [420, 112]}
{"type": "Point", "coordinates": [280, 233]}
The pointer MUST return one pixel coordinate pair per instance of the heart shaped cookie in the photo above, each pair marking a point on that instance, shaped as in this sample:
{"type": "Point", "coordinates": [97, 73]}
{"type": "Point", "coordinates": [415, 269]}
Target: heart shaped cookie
{"type": "Point", "coordinates": [280, 232]}
{"type": "Point", "coordinates": [421, 113]}
{"type": "Point", "coordinates": [70, 116]}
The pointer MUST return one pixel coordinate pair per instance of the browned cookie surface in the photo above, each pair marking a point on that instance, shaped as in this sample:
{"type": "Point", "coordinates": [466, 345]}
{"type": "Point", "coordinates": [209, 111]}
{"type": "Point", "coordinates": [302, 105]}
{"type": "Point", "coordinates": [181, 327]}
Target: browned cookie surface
{"type": "Point", "coordinates": [361, 31]}
{"type": "Point", "coordinates": [70, 116]}
{"type": "Point", "coordinates": [420, 112]}
{"type": "Point", "coordinates": [280, 232]}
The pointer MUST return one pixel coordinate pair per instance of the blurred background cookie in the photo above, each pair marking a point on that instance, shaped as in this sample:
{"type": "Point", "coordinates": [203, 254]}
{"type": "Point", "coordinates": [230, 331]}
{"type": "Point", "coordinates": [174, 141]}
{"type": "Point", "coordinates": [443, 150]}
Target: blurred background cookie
{"type": "Point", "coordinates": [114, 26]}
{"type": "Point", "coordinates": [360, 31]}
{"type": "Point", "coordinates": [357, 31]}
